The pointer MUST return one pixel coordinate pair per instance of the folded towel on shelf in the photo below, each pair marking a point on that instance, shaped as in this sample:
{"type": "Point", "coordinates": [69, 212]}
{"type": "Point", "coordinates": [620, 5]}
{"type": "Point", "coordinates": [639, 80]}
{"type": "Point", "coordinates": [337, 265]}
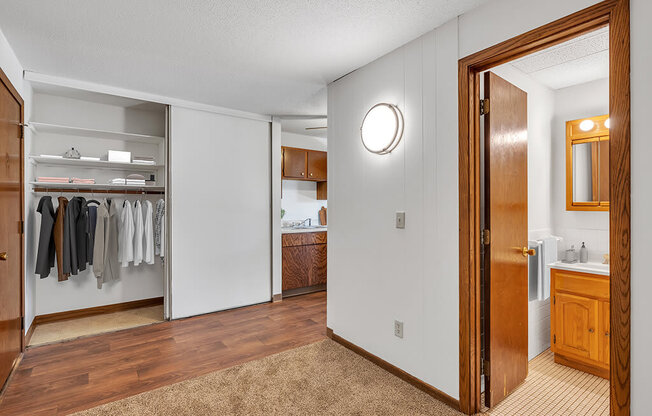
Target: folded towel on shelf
{"type": "Point", "coordinates": [53, 156]}
{"type": "Point", "coordinates": [86, 181]}
{"type": "Point", "coordinates": [90, 158]}
{"type": "Point", "coordinates": [135, 182]}
{"type": "Point", "coordinates": [143, 160]}
{"type": "Point", "coordinates": [135, 176]}
{"type": "Point", "coordinates": [51, 179]}
{"type": "Point", "coordinates": [117, 181]}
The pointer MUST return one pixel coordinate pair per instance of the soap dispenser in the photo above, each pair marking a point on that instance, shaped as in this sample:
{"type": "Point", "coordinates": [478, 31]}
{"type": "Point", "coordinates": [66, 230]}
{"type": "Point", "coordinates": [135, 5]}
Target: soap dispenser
{"type": "Point", "coordinates": [584, 254]}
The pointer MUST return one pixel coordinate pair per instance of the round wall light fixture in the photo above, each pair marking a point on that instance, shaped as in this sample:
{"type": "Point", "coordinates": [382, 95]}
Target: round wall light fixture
{"type": "Point", "coordinates": [382, 128]}
{"type": "Point", "coordinates": [607, 123]}
{"type": "Point", "coordinates": [586, 125]}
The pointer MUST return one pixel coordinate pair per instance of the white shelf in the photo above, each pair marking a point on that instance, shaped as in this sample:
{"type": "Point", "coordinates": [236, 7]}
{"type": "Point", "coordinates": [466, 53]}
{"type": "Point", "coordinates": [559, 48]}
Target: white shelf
{"type": "Point", "coordinates": [107, 187]}
{"type": "Point", "coordinates": [99, 164]}
{"type": "Point", "coordinates": [100, 134]}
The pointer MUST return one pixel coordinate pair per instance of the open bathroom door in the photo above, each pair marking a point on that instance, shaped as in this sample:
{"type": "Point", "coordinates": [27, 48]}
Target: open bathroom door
{"type": "Point", "coordinates": [506, 278]}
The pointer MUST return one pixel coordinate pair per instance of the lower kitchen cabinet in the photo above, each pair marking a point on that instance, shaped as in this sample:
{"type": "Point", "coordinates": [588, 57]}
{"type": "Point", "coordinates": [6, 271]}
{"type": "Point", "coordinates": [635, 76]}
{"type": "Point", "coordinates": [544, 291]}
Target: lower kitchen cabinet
{"type": "Point", "coordinates": [304, 262]}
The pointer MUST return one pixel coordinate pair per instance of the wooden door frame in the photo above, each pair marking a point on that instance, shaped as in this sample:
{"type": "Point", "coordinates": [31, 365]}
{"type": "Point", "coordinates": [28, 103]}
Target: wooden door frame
{"type": "Point", "coordinates": [614, 13]}
{"type": "Point", "coordinates": [4, 79]}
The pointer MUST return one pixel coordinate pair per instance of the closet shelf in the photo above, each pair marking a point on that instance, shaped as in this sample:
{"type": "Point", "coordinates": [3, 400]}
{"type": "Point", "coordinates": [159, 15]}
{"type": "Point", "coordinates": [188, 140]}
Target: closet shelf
{"type": "Point", "coordinates": [99, 164]}
{"type": "Point", "coordinates": [96, 188]}
{"type": "Point", "coordinates": [100, 134]}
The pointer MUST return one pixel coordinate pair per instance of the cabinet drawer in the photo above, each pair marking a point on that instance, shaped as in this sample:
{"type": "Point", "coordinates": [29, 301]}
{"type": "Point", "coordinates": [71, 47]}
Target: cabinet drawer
{"type": "Point", "coordinates": [303, 239]}
{"type": "Point", "coordinates": [585, 284]}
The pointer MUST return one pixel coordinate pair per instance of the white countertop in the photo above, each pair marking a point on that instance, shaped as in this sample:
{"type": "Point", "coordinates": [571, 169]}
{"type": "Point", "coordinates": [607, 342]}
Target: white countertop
{"type": "Point", "coordinates": [290, 230]}
{"type": "Point", "coordinates": [595, 268]}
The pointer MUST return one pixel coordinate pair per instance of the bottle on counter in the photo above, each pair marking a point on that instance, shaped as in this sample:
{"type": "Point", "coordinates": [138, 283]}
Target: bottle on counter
{"type": "Point", "coordinates": [584, 254]}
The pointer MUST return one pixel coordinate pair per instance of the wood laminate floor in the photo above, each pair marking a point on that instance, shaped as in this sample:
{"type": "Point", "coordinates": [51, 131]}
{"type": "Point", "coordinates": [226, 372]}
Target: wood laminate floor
{"type": "Point", "coordinates": [70, 376]}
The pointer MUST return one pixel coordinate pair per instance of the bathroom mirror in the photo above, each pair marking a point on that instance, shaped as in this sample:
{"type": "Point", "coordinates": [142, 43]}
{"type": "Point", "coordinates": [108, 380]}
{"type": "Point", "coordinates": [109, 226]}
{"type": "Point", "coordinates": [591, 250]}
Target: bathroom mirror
{"type": "Point", "coordinates": [587, 164]}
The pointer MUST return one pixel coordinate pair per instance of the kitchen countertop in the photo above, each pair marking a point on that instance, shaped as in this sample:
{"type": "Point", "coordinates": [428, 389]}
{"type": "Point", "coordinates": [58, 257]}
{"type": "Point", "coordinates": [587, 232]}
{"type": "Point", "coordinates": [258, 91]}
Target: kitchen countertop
{"type": "Point", "coordinates": [595, 268]}
{"type": "Point", "coordinates": [290, 230]}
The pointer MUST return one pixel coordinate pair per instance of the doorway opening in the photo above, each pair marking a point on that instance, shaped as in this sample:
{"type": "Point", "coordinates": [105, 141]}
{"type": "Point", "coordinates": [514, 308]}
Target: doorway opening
{"type": "Point", "coordinates": [502, 236]}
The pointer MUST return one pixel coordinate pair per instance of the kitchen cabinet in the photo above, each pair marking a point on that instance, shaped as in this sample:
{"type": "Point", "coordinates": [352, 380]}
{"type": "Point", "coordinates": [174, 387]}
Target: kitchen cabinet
{"type": "Point", "coordinates": [580, 320]}
{"type": "Point", "coordinates": [304, 262]}
{"type": "Point", "coordinates": [304, 164]}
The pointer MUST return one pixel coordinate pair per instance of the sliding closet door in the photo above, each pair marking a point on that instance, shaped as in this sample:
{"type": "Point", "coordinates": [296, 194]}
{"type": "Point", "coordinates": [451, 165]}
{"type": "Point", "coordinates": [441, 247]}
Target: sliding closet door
{"type": "Point", "coordinates": [220, 212]}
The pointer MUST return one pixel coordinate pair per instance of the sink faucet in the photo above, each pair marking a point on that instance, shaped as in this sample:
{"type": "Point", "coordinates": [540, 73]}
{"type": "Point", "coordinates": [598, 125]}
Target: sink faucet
{"type": "Point", "coordinates": [304, 222]}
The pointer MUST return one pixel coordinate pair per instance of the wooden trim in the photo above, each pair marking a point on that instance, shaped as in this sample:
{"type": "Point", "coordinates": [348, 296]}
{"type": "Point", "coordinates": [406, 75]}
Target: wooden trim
{"type": "Point", "coordinates": [97, 310]}
{"type": "Point", "coordinates": [304, 290]}
{"type": "Point", "coordinates": [14, 92]}
{"type": "Point", "coordinates": [30, 332]}
{"type": "Point", "coordinates": [14, 368]}
{"type": "Point", "coordinates": [614, 13]}
{"type": "Point", "coordinates": [587, 368]}
{"type": "Point", "coordinates": [278, 297]}
{"type": "Point", "coordinates": [421, 385]}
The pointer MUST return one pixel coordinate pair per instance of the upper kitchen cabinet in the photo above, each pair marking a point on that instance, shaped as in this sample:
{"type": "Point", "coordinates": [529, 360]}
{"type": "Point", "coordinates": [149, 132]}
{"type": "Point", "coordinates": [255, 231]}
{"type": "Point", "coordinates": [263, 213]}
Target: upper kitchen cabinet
{"type": "Point", "coordinates": [317, 165]}
{"type": "Point", "coordinates": [295, 163]}
{"type": "Point", "coordinates": [304, 164]}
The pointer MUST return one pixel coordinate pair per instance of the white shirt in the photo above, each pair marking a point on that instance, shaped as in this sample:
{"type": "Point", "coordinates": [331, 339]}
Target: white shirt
{"type": "Point", "coordinates": [126, 243]}
{"type": "Point", "coordinates": [148, 237]}
{"type": "Point", "coordinates": [138, 233]}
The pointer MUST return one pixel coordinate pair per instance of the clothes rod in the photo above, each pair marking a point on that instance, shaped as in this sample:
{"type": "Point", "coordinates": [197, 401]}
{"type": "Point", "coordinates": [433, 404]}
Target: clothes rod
{"type": "Point", "coordinates": [97, 191]}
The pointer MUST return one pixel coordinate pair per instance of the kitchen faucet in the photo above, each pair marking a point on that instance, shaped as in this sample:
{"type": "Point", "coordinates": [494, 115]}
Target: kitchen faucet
{"type": "Point", "coordinates": [304, 222]}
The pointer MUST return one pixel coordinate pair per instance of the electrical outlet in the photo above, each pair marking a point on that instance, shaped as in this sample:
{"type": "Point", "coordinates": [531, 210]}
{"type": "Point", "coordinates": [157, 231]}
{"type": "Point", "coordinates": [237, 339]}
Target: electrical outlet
{"type": "Point", "coordinates": [398, 329]}
{"type": "Point", "coordinates": [400, 219]}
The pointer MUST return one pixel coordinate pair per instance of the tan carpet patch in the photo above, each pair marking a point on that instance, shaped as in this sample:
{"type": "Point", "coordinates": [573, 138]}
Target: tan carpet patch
{"type": "Point", "coordinates": [319, 379]}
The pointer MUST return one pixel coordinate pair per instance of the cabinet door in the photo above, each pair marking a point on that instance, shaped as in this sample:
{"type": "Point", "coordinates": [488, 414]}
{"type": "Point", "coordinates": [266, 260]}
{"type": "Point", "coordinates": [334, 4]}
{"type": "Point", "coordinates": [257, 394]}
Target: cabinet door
{"type": "Point", "coordinates": [605, 333]}
{"type": "Point", "coordinates": [317, 165]}
{"type": "Point", "coordinates": [318, 257]}
{"type": "Point", "coordinates": [294, 163]}
{"type": "Point", "coordinates": [296, 267]}
{"type": "Point", "coordinates": [576, 326]}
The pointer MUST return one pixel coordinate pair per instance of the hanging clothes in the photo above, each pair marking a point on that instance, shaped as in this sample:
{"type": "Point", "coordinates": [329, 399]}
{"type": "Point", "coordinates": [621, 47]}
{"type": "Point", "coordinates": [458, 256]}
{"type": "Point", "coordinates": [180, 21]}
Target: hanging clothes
{"type": "Point", "coordinates": [81, 234]}
{"type": "Point", "coordinates": [148, 234]}
{"type": "Point", "coordinates": [138, 233]}
{"type": "Point", "coordinates": [105, 248]}
{"type": "Point", "coordinates": [58, 237]}
{"type": "Point", "coordinates": [126, 242]}
{"type": "Point", "coordinates": [92, 223]}
{"type": "Point", "coordinates": [46, 252]}
{"type": "Point", "coordinates": [74, 244]}
{"type": "Point", "coordinates": [159, 228]}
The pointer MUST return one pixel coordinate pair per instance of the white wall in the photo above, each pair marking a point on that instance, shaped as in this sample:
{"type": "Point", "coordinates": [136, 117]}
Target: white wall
{"type": "Point", "coordinates": [300, 197]}
{"type": "Point", "coordinates": [14, 71]}
{"type": "Point", "coordinates": [378, 273]}
{"type": "Point", "coordinates": [592, 227]}
{"type": "Point", "coordinates": [366, 291]}
{"type": "Point", "coordinates": [221, 212]}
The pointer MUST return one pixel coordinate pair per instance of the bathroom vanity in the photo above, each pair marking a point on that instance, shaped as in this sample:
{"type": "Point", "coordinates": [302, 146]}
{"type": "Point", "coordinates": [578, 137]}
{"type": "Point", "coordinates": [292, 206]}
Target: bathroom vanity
{"type": "Point", "coordinates": [579, 331]}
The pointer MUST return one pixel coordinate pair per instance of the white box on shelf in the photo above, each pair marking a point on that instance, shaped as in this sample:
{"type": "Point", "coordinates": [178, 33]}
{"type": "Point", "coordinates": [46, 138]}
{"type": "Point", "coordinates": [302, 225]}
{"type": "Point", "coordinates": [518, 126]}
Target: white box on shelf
{"type": "Point", "coordinates": [119, 156]}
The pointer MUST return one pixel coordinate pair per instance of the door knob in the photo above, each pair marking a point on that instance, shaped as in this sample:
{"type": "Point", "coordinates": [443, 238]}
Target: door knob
{"type": "Point", "coordinates": [591, 330]}
{"type": "Point", "coordinates": [3, 256]}
{"type": "Point", "coordinates": [525, 252]}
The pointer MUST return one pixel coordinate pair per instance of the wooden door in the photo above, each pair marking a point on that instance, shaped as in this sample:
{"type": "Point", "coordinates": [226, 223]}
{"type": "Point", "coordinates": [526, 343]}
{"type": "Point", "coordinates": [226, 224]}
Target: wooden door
{"type": "Point", "coordinates": [317, 162]}
{"type": "Point", "coordinates": [576, 326]}
{"type": "Point", "coordinates": [11, 207]}
{"type": "Point", "coordinates": [605, 333]}
{"type": "Point", "coordinates": [506, 278]}
{"type": "Point", "coordinates": [295, 163]}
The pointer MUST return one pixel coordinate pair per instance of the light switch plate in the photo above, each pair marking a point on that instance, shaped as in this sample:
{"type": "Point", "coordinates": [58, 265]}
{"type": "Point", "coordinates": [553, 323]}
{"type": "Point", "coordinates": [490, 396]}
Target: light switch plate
{"type": "Point", "coordinates": [398, 329]}
{"type": "Point", "coordinates": [400, 219]}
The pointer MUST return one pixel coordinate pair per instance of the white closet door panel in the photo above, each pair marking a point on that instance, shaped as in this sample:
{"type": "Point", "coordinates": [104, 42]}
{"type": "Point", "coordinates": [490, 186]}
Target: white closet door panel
{"type": "Point", "coordinates": [220, 212]}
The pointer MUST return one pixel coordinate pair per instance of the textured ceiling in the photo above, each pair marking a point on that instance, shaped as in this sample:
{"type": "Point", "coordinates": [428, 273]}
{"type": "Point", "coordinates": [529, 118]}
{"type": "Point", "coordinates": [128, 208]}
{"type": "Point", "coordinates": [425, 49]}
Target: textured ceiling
{"type": "Point", "coordinates": [579, 60]}
{"type": "Point", "coordinates": [271, 57]}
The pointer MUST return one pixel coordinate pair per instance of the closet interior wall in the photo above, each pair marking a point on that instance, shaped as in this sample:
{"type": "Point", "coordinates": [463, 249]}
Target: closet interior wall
{"type": "Point", "coordinates": [100, 112]}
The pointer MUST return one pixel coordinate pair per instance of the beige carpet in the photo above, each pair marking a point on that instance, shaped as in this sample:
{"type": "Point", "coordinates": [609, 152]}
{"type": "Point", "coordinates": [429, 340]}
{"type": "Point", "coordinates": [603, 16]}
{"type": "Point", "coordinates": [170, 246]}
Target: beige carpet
{"type": "Point", "coordinates": [92, 325]}
{"type": "Point", "coordinates": [319, 379]}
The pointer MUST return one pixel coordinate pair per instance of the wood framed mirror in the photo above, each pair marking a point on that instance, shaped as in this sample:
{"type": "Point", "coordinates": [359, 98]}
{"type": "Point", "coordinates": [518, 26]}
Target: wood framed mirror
{"type": "Point", "coordinates": [587, 164]}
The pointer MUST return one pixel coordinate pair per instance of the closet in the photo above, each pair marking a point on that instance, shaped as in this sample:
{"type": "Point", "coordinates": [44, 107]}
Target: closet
{"type": "Point", "coordinates": [72, 133]}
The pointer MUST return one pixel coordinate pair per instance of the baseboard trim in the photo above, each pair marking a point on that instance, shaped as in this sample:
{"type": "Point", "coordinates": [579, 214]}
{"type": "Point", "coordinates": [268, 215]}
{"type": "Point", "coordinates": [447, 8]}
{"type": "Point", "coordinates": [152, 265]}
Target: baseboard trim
{"type": "Point", "coordinates": [277, 297]}
{"type": "Point", "coordinates": [29, 333]}
{"type": "Point", "coordinates": [303, 290]}
{"type": "Point", "coordinates": [97, 310]}
{"type": "Point", "coordinates": [423, 386]}
{"type": "Point", "coordinates": [585, 367]}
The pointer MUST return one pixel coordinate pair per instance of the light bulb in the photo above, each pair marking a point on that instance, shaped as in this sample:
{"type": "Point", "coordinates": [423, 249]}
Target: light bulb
{"type": "Point", "coordinates": [586, 125]}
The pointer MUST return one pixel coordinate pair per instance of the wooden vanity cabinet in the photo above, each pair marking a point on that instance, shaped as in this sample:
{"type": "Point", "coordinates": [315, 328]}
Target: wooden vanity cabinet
{"type": "Point", "coordinates": [304, 262]}
{"type": "Point", "coordinates": [580, 321]}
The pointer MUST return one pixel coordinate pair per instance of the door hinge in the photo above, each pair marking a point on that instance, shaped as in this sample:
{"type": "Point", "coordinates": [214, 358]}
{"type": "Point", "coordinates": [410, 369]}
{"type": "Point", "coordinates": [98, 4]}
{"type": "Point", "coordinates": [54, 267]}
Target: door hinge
{"type": "Point", "coordinates": [21, 227]}
{"type": "Point", "coordinates": [22, 322]}
{"type": "Point", "coordinates": [485, 368]}
{"type": "Point", "coordinates": [554, 300]}
{"type": "Point", "coordinates": [554, 339]}
{"type": "Point", "coordinates": [486, 237]}
{"type": "Point", "coordinates": [484, 106]}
